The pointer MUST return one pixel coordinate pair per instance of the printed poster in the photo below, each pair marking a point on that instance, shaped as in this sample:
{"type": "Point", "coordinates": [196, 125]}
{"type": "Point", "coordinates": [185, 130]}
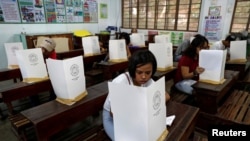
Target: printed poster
{"type": "Point", "coordinates": [9, 11]}
{"type": "Point", "coordinates": [176, 38]}
{"type": "Point", "coordinates": [103, 11]}
{"type": "Point", "coordinates": [213, 27]}
{"type": "Point", "coordinates": [90, 11]}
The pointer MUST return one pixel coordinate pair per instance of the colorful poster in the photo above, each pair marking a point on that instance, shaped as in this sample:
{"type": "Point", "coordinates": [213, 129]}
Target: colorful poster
{"type": "Point", "coordinates": [9, 11]}
{"type": "Point", "coordinates": [50, 9]}
{"type": "Point", "coordinates": [90, 11]}
{"type": "Point", "coordinates": [176, 38]}
{"type": "Point", "coordinates": [103, 11]}
{"type": "Point", "coordinates": [32, 11]}
{"type": "Point", "coordinates": [213, 27]}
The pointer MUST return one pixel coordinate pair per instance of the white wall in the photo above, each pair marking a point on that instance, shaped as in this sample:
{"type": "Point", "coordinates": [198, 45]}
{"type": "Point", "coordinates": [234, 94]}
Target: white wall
{"type": "Point", "coordinates": [8, 31]}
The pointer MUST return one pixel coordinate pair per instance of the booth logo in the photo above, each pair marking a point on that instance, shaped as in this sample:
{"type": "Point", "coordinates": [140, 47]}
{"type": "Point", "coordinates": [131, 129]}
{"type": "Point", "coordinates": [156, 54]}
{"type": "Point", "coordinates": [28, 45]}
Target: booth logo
{"type": "Point", "coordinates": [156, 100]}
{"type": "Point", "coordinates": [74, 70]}
{"type": "Point", "coordinates": [33, 58]}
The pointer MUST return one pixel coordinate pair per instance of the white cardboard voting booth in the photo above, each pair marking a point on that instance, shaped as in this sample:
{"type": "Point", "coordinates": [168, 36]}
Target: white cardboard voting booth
{"type": "Point", "coordinates": [32, 65]}
{"type": "Point", "coordinates": [238, 51]}
{"type": "Point", "coordinates": [137, 39]}
{"type": "Point", "coordinates": [163, 53]}
{"type": "Point", "coordinates": [10, 49]}
{"type": "Point", "coordinates": [139, 112]}
{"type": "Point", "coordinates": [213, 61]}
{"type": "Point", "coordinates": [162, 38]}
{"type": "Point", "coordinates": [91, 45]}
{"type": "Point", "coordinates": [117, 51]}
{"type": "Point", "coordinates": [67, 78]}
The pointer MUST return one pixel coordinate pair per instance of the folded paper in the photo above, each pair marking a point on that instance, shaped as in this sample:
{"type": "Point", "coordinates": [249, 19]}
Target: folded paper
{"type": "Point", "coordinates": [10, 49]}
{"type": "Point", "coordinates": [32, 65]}
{"type": "Point", "coordinates": [146, 109]}
{"type": "Point", "coordinates": [238, 50]}
{"type": "Point", "coordinates": [117, 51]}
{"type": "Point", "coordinates": [67, 78]}
{"type": "Point", "coordinates": [162, 38]}
{"type": "Point", "coordinates": [91, 45]}
{"type": "Point", "coordinates": [137, 39]}
{"type": "Point", "coordinates": [213, 61]}
{"type": "Point", "coordinates": [164, 55]}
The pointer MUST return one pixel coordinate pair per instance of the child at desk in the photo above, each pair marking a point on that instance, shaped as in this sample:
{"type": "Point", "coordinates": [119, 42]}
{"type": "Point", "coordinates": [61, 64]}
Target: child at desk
{"type": "Point", "coordinates": [142, 66]}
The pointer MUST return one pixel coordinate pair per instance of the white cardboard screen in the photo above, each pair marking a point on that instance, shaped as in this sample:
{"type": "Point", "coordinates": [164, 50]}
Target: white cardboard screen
{"type": "Point", "coordinates": [238, 50]}
{"type": "Point", "coordinates": [117, 50]}
{"type": "Point", "coordinates": [163, 53]}
{"type": "Point", "coordinates": [213, 61]}
{"type": "Point", "coordinates": [67, 77]}
{"type": "Point", "coordinates": [139, 112]}
{"type": "Point", "coordinates": [10, 49]}
{"type": "Point", "coordinates": [162, 38]}
{"type": "Point", "coordinates": [137, 39]}
{"type": "Point", "coordinates": [90, 45]}
{"type": "Point", "coordinates": [31, 63]}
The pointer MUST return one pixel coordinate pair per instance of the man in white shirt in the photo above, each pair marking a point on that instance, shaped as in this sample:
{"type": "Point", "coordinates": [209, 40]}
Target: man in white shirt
{"type": "Point", "coordinates": [223, 44]}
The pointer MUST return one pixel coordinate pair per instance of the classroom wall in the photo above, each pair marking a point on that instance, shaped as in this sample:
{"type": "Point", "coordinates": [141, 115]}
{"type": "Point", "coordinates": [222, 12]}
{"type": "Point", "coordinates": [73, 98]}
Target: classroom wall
{"type": "Point", "coordinates": [9, 32]}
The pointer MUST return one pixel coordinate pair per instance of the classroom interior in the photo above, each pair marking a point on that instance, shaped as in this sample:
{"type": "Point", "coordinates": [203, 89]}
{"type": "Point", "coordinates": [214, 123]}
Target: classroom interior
{"type": "Point", "coordinates": [224, 104]}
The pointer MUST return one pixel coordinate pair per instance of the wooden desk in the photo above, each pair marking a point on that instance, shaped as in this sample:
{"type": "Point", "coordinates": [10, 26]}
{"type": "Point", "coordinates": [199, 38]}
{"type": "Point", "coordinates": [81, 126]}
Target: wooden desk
{"type": "Point", "coordinates": [109, 68]}
{"type": "Point", "coordinates": [209, 96]}
{"type": "Point", "coordinates": [23, 89]}
{"type": "Point", "coordinates": [89, 60]}
{"type": "Point", "coordinates": [69, 54]}
{"type": "Point", "coordinates": [47, 118]}
{"type": "Point", "coordinates": [242, 67]}
{"type": "Point", "coordinates": [6, 74]}
{"type": "Point", "coordinates": [52, 117]}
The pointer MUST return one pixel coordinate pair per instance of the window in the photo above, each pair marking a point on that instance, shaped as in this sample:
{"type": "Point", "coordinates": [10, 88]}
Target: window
{"type": "Point", "coordinates": [179, 15]}
{"type": "Point", "coordinates": [241, 16]}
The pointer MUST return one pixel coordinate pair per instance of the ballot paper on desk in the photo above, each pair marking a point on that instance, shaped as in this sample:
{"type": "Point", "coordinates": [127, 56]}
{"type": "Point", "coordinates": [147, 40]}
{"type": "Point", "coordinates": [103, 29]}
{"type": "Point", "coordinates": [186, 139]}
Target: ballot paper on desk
{"type": "Point", "coordinates": [238, 51]}
{"type": "Point", "coordinates": [91, 46]}
{"type": "Point", "coordinates": [67, 78]}
{"type": "Point", "coordinates": [117, 51]}
{"type": "Point", "coordinates": [32, 65]}
{"type": "Point", "coordinates": [162, 38]}
{"type": "Point", "coordinates": [137, 39]}
{"type": "Point", "coordinates": [10, 49]}
{"type": "Point", "coordinates": [164, 55]}
{"type": "Point", "coordinates": [213, 61]}
{"type": "Point", "coordinates": [139, 112]}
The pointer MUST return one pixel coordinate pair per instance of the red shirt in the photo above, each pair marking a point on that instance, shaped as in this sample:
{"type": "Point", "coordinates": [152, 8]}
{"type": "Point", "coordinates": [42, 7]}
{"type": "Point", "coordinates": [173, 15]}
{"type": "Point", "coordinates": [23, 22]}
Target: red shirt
{"type": "Point", "coordinates": [188, 62]}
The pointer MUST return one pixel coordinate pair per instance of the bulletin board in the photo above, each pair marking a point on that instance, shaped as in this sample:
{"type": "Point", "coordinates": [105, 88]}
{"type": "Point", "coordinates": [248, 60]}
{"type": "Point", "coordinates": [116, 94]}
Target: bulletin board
{"type": "Point", "coordinates": [48, 11]}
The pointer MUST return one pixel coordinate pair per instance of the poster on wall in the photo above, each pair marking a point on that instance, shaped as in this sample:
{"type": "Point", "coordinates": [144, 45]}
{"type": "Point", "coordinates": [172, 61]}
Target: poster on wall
{"type": "Point", "coordinates": [74, 11]}
{"type": "Point", "coordinates": [103, 11]}
{"type": "Point", "coordinates": [32, 11]}
{"type": "Point", "coordinates": [90, 11]}
{"type": "Point", "coordinates": [50, 10]}
{"type": "Point", "coordinates": [176, 38]}
{"type": "Point", "coordinates": [213, 27]}
{"type": "Point", "coordinates": [9, 11]}
{"type": "Point", "coordinates": [214, 11]}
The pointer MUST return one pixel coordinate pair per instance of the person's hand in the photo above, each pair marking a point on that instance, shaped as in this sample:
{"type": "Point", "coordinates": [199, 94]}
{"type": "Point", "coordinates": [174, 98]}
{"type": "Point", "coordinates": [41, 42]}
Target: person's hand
{"type": "Point", "coordinates": [199, 70]}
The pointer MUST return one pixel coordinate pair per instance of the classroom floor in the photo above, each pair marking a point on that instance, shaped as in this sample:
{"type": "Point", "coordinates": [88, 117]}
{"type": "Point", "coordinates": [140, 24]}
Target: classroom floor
{"type": "Point", "coordinates": [6, 134]}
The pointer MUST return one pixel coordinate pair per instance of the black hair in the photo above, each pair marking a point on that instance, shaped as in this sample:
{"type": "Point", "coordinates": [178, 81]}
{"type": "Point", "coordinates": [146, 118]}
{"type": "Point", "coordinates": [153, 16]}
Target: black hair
{"type": "Point", "coordinates": [125, 35]}
{"type": "Point", "coordinates": [230, 38]}
{"type": "Point", "coordinates": [198, 41]}
{"type": "Point", "coordinates": [141, 57]}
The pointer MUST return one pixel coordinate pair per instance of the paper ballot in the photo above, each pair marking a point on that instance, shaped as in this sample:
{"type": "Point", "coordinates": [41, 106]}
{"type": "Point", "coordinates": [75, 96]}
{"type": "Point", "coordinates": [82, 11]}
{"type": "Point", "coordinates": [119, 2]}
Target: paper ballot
{"type": "Point", "coordinates": [67, 78]}
{"type": "Point", "coordinates": [162, 38]}
{"type": "Point", "coordinates": [32, 65]}
{"type": "Point", "coordinates": [139, 112]}
{"type": "Point", "coordinates": [90, 45]}
{"type": "Point", "coordinates": [117, 50]}
{"type": "Point", "coordinates": [164, 55]}
{"type": "Point", "coordinates": [213, 61]}
{"type": "Point", "coordinates": [10, 49]}
{"type": "Point", "coordinates": [238, 51]}
{"type": "Point", "coordinates": [137, 39]}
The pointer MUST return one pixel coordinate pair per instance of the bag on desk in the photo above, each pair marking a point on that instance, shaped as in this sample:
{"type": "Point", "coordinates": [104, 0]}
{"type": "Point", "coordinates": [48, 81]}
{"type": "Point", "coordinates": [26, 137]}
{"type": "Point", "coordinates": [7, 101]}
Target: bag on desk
{"type": "Point", "coordinates": [137, 39]}
{"type": "Point", "coordinates": [162, 38]}
{"type": "Point", "coordinates": [91, 45]}
{"type": "Point", "coordinates": [67, 78]}
{"type": "Point", "coordinates": [117, 51]}
{"type": "Point", "coordinates": [164, 55]}
{"type": "Point", "coordinates": [146, 109]}
{"type": "Point", "coordinates": [238, 50]}
{"type": "Point", "coordinates": [10, 49]}
{"type": "Point", "coordinates": [213, 61]}
{"type": "Point", "coordinates": [31, 64]}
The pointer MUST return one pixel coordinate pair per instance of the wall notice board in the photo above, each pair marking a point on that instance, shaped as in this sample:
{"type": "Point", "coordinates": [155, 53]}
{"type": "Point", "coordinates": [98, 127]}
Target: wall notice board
{"type": "Point", "coordinates": [48, 11]}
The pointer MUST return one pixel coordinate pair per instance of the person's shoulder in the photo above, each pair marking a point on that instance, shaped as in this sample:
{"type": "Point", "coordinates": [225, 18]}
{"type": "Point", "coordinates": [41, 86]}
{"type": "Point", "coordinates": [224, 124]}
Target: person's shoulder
{"type": "Point", "coordinates": [121, 78]}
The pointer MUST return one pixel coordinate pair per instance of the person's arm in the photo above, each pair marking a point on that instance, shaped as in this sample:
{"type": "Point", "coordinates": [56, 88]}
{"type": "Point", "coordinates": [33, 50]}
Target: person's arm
{"type": "Point", "coordinates": [128, 52]}
{"type": "Point", "coordinates": [187, 75]}
{"type": "Point", "coordinates": [167, 97]}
